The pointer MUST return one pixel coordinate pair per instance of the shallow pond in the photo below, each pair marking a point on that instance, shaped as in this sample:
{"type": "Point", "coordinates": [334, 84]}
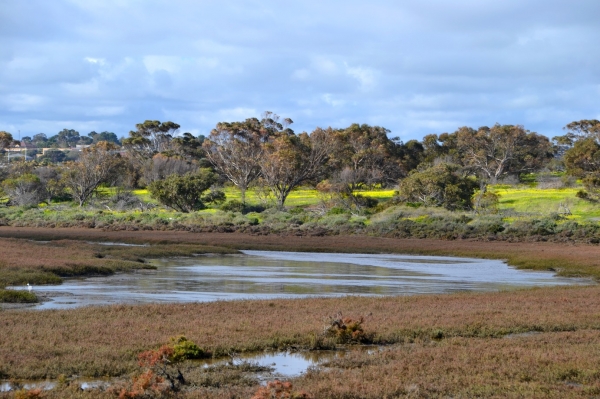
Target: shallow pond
{"type": "Point", "coordinates": [268, 274]}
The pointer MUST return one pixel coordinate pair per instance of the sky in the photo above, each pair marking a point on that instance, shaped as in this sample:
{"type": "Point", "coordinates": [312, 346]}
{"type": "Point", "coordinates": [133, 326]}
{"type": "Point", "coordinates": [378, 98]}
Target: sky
{"type": "Point", "coordinates": [414, 67]}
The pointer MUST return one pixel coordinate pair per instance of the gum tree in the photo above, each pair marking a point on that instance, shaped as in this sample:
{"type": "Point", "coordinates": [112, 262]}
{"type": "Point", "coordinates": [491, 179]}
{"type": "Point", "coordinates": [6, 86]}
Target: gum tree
{"type": "Point", "coordinates": [236, 149]}
{"type": "Point", "coordinates": [97, 164]}
{"type": "Point", "coordinates": [290, 160]}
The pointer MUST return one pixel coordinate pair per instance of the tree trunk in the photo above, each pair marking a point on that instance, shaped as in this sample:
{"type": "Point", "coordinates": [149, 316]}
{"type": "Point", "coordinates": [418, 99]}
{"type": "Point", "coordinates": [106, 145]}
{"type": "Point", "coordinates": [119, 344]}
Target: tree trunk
{"type": "Point", "coordinates": [243, 194]}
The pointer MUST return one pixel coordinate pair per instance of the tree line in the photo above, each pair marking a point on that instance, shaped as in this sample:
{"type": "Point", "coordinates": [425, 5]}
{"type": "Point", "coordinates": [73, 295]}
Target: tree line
{"type": "Point", "coordinates": [182, 170]}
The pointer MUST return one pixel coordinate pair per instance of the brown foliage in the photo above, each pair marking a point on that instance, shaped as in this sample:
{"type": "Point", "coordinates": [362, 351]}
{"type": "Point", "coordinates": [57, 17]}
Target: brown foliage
{"type": "Point", "coordinates": [279, 390]}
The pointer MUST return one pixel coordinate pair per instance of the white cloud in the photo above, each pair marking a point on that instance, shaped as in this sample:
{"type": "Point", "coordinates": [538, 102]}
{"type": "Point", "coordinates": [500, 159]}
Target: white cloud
{"type": "Point", "coordinates": [365, 76]}
{"type": "Point", "coordinates": [331, 100]}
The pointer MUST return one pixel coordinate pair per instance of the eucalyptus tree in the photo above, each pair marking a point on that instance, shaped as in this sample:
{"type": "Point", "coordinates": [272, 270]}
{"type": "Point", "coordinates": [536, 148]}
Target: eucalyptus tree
{"type": "Point", "coordinates": [6, 139]}
{"type": "Point", "coordinates": [501, 150]}
{"type": "Point", "coordinates": [99, 163]}
{"type": "Point", "coordinates": [149, 138]}
{"type": "Point", "coordinates": [442, 185]}
{"type": "Point", "coordinates": [104, 136]}
{"type": "Point", "coordinates": [290, 160]}
{"type": "Point", "coordinates": [236, 149]}
{"type": "Point", "coordinates": [67, 138]}
{"type": "Point", "coordinates": [365, 155]}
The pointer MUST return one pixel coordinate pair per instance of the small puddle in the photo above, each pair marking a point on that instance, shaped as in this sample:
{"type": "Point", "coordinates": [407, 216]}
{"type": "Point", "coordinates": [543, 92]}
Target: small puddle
{"type": "Point", "coordinates": [290, 364]}
{"type": "Point", "coordinates": [117, 244]}
{"type": "Point", "coordinates": [522, 335]}
{"type": "Point", "coordinates": [7, 386]}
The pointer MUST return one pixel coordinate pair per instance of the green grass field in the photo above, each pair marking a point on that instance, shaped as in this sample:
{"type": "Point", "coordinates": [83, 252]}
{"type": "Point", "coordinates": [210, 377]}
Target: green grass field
{"type": "Point", "coordinates": [519, 199]}
{"type": "Point", "coordinates": [546, 201]}
{"type": "Point", "coordinates": [514, 201]}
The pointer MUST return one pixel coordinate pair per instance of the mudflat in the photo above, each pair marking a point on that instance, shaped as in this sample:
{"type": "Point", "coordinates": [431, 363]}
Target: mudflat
{"type": "Point", "coordinates": [567, 259]}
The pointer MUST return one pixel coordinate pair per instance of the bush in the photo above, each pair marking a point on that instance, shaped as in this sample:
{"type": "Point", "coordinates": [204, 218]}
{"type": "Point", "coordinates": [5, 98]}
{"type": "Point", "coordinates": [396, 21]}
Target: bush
{"type": "Point", "coordinates": [345, 329]}
{"type": "Point", "coordinates": [184, 349]}
{"type": "Point", "coordinates": [17, 296]}
{"type": "Point", "coordinates": [24, 190]}
{"type": "Point", "coordinates": [184, 193]}
{"type": "Point", "coordinates": [233, 206]}
{"type": "Point", "coordinates": [237, 206]}
{"type": "Point", "coordinates": [440, 185]}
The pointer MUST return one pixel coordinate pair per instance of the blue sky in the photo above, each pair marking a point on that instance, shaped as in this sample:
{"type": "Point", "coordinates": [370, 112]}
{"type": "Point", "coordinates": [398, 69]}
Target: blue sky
{"type": "Point", "coordinates": [415, 67]}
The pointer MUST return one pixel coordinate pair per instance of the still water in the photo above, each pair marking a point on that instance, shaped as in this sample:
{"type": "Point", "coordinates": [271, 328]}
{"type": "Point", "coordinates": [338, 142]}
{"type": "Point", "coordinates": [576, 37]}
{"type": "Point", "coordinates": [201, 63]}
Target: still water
{"type": "Point", "coordinates": [269, 274]}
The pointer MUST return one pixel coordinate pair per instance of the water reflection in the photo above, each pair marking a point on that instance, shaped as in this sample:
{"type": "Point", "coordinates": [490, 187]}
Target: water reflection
{"type": "Point", "coordinates": [291, 364]}
{"type": "Point", "coordinates": [268, 274]}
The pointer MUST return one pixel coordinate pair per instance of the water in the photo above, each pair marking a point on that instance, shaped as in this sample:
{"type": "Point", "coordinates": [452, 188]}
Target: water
{"type": "Point", "coordinates": [46, 385]}
{"type": "Point", "coordinates": [292, 364]}
{"type": "Point", "coordinates": [271, 275]}
{"type": "Point", "coordinates": [282, 364]}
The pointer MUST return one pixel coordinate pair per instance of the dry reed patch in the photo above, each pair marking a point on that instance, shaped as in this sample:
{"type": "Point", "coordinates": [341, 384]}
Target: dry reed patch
{"type": "Point", "coordinates": [98, 341]}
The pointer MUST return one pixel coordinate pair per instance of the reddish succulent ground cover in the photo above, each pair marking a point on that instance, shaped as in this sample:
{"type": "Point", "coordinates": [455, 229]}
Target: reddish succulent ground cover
{"type": "Point", "coordinates": [527, 343]}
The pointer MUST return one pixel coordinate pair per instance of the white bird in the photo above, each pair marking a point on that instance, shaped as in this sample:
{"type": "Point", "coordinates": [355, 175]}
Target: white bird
{"type": "Point", "coordinates": [29, 287]}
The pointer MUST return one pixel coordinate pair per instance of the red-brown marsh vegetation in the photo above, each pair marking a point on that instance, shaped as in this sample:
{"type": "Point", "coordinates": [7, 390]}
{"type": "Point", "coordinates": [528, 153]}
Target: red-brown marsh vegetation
{"type": "Point", "coordinates": [527, 343]}
{"type": "Point", "coordinates": [566, 259]}
{"type": "Point", "coordinates": [434, 331]}
{"type": "Point", "coordinates": [25, 261]}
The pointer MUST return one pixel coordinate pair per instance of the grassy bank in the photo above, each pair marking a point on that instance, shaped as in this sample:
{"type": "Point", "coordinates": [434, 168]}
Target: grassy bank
{"type": "Point", "coordinates": [523, 213]}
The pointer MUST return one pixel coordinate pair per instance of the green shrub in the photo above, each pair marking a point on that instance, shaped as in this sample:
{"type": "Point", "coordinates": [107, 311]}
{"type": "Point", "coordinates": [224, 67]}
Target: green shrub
{"type": "Point", "coordinates": [233, 206]}
{"type": "Point", "coordinates": [184, 349]}
{"type": "Point", "coordinates": [184, 193]}
{"type": "Point", "coordinates": [440, 185]}
{"type": "Point", "coordinates": [17, 296]}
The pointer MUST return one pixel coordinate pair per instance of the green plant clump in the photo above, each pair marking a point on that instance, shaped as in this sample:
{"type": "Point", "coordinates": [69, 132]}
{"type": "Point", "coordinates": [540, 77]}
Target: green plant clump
{"type": "Point", "coordinates": [184, 349]}
{"type": "Point", "coordinates": [17, 296]}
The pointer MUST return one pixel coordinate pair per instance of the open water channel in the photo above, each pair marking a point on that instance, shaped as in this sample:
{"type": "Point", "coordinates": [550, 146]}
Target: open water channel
{"type": "Point", "coordinates": [269, 274]}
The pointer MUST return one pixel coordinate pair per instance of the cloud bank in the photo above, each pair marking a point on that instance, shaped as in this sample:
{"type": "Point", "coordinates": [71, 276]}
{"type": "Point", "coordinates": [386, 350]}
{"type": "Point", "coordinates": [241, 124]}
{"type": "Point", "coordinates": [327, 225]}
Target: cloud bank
{"type": "Point", "coordinates": [414, 67]}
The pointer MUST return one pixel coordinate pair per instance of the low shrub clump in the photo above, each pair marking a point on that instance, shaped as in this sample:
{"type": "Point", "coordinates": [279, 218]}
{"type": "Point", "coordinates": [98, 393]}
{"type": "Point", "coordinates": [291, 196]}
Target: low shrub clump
{"type": "Point", "coordinates": [346, 330]}
{"type": "Point", "coordinates": [17, 296]}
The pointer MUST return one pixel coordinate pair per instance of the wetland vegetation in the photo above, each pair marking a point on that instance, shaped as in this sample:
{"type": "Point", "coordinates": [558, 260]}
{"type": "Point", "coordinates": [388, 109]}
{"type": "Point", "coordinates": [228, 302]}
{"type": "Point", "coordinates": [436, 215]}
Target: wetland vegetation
{"type": "Point", "coordinates": [495, 193]}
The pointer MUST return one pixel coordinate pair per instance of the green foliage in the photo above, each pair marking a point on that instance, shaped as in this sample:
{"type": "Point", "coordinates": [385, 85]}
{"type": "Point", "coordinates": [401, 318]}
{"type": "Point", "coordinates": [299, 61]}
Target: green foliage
{"type": "Point", "coordinates": [215, 197]}
{"type": "Point", "coordinates": [54, 156]}
{"type": "Point", "coordinates": [183, 193]}
{"type": "Point", "coordinates": [233, 206]}
{"type": "Point", "coordinates": [17, 296]}
{"type": "Point", "coordinates": [591, 182]}
{"type": "Point", "coordinates": [440, 185]}
{"type": "Point", "coordinates": [25, 189]}
{"type": "Point", "coordinates": [583, 157]}
{"type": "Point", "coordinates": [184, 349]}
{"type": "Point", "coordinates": [486, 202]}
